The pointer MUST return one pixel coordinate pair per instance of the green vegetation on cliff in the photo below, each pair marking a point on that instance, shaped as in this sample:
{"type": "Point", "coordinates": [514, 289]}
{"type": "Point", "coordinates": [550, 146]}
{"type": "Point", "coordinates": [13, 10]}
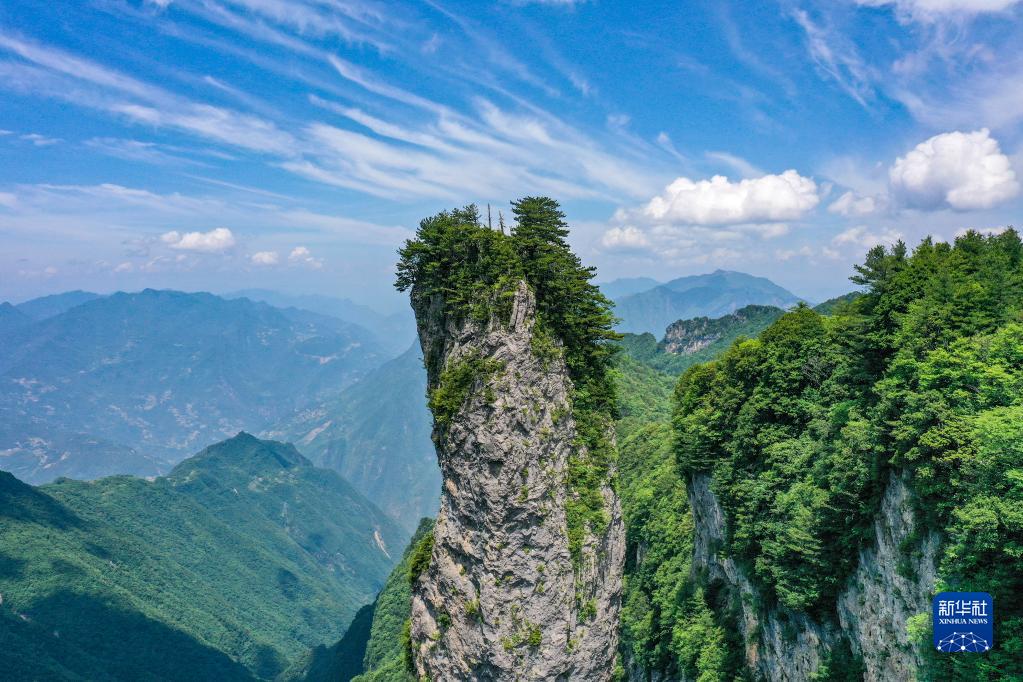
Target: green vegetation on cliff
{"type": "Point", "coordinates": [669, 623]}
{"type": "Point", "coordinates": [473, 271]}
{"type": "Point", "coordinates": [802, 427]}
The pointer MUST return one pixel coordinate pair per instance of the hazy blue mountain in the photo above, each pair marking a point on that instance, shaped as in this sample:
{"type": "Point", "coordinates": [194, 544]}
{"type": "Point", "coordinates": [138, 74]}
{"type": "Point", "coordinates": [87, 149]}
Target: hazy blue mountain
{"type": "Point", "coordinates": [55, 304]}
{"type": "Point", "coordinates": [627, 286]}
{"type": "Point", "coordinates": [711, 295]}
{"type": "Point", "coordinates": [377, 434]}
{"type": "Point", "coordinates": [11, 318]}
{"type": "Point", "coordinates": [395, 331]}
{"type": "Point", "coordinates": [230, 568]}
{"type": "Point", "coordinates": [158, 373]}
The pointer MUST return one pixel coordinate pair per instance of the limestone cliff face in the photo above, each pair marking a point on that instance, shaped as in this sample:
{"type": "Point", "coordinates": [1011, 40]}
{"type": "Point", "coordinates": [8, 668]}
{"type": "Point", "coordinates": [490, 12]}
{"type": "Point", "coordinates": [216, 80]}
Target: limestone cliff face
{"type": "Point", "coordinates": [873, 608]}
{"type": "Point", "coordinates": [686, 337]}
{"type": "Point", "coordinates": [502, 598]}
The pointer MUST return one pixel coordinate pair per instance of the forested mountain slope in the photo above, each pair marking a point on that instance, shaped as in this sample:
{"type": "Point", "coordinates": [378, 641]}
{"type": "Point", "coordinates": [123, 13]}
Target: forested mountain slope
{"type": "Point", "coordinates": [891, 427]}
{"type": "Point", "coordinates": [374, 648]}
{"type": "Point", "coordinates": [376, 433]}
{"type": "Point", "coordinates": [231, 567]}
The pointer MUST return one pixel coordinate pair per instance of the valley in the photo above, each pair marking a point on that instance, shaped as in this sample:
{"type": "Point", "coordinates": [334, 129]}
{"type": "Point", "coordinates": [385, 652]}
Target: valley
{"type": "Point", "coordinates": [264, 566]}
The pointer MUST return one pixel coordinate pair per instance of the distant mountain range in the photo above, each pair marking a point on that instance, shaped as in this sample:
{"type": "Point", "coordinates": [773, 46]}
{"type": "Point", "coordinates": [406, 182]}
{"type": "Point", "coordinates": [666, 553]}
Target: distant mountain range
{"type": "Point", "coordinates": [627, 286]}
{"type": "Point", "coordinates": [237, 563]}
{"type": "Point", "coordinates": [395, 331]}
{"type": "Point", "coordinates": [651, 309]}
{"type": "Point", "coordinates": [55, 304]}
{"type": "Point", "coordinates": [131, 383]}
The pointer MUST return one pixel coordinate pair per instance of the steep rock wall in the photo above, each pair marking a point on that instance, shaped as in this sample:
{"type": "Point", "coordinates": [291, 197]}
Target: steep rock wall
{"type": "Point", "coordinates": [893, 581]}
{"type": "Point", "coordinates": [502, 598]}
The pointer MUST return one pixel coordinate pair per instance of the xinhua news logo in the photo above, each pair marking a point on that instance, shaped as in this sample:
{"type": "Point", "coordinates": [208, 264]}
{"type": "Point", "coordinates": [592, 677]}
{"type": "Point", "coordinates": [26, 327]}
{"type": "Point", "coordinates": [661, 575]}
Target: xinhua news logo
{"type": "Point", "coordinates": [963, 622]}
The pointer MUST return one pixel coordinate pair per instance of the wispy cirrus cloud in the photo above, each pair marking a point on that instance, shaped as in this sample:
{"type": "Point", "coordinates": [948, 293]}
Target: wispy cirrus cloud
{"type": "Point", "coordinates": [837, 57]}
{"type": "Point", "coordinates": [489, 152]}
{"type": "Point", "coordinates": [934, 10]}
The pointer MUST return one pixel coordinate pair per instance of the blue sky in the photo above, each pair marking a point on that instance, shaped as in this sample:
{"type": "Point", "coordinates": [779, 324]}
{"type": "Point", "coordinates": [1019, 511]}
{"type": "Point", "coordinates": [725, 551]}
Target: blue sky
{"type": "Point", "coordinates": [293, 144]}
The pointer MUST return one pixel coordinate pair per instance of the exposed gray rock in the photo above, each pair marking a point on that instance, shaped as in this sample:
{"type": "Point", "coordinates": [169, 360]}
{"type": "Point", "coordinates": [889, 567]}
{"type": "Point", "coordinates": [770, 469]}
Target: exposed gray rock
{"type": "Point", "coordinates": [879, 600]}
{"type": "Point", "coordinates": [502, 598]}
{"type": "Point", "coordinates": [782, 644]}
{"type": "Point", "coordinates": [685, 337]}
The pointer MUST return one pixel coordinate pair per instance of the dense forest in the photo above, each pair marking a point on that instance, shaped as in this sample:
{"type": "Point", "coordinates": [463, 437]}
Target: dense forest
{"type": "Point", "coordinates": [373, 649]}
{"type": "Point", "coordinates": [239, 561]}
{"type": "Point", "coordinates": [800, 418]}
{"type": "Point", "coordinates": [921, 376]}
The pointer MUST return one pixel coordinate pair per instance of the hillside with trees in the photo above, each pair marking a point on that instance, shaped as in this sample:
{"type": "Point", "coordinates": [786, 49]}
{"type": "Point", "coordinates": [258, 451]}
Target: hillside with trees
{"type": "Point", "coordinates": [920, 377]}
{"type": "Point", "coordinates": [236, 563]}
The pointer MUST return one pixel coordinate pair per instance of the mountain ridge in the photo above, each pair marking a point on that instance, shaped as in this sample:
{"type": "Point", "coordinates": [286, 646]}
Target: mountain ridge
{"type": "Point", "coordinates": [150, 375]}
{"type": "Point", "coordinates": [709, 295]}
{"type": "Point", "coordinates": [249, 553]}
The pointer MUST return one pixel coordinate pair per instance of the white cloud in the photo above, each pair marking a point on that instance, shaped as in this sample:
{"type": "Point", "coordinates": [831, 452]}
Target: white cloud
{"type": "Point", "coordinates": [215, 123]}
{"type": "Point", "coordinates": [767, 230]}
{"type": "Point", "coordinates": [485, 152]}
{"type": "Point", "coordinates": [990, 96]}
{"type": "Point", "coordinates": [39, 140]}
{"type": "Point", "coordinates": [265, 258]}
{"type": "Point", "coordinates": [852, 204]}
{"type": "Point", "coordinates": [137, 150]}
{"type": "Point", "coordinates": [348, 228]}
{"type": "Point", "coordinates": [624, 239]}
{"type": "Point", "coordinates": [124, 267]}
{"type": "Point", "coordinates": [736, 163]}
{"type": "Point", "coordinates": [65, 76]}
{"type": "Point", "coordinates": [300, 255]}
{"type": "Point", "coordinates": [789, 254]}
{"type": "Point", "coordinates": [930, 10]}
{"type": "Point", "coordinates": [7, 199]}
{"type": "Point", "coordinates": [862, 236]}
{"type": "Point", "coordinates": [989, 231]}
{"type": "Point", "coordinates": [718, 201]}
{"type": "Point", "coordinates": [957, 170]}
{"type": "Point", "coordinates": [618, 120]}
{"type": "Point", "coordinates": [215, 241]}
